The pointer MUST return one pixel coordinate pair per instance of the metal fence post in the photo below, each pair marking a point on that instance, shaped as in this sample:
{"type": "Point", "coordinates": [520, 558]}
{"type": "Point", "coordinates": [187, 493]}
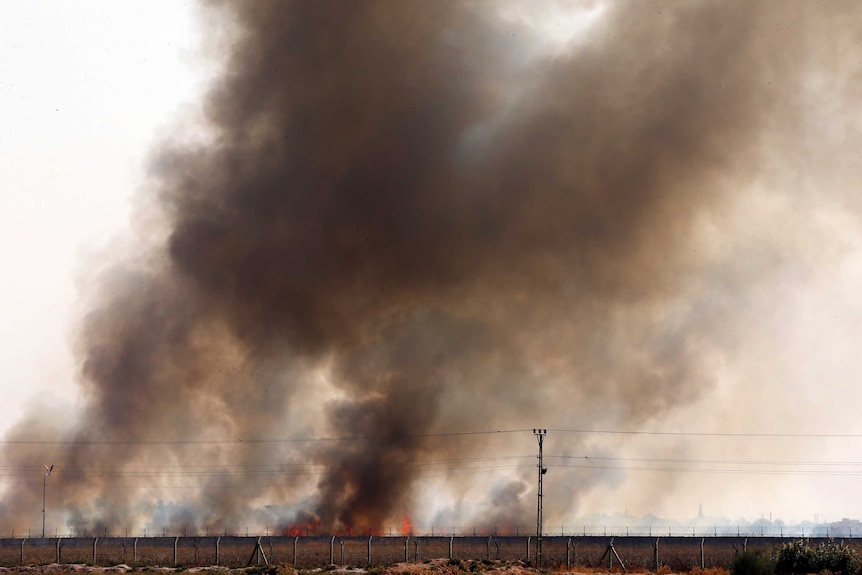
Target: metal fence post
{"type": "Point", "coordinates": [332, 551]}
{"type": "Point", "coordinates": [407, 549]}
{"type": "Point", "coordinates": [370, 537]}
{"type": "Point", "coordinates": [22, 551]}
{"type": "Point", "coordinates": [295, 542]}
{"type": "Point", "coordinates": [528, 547]}
{"type": "Point", "coordinates": [450, 546]}
{"type": "Point", "coordinates": [95, 543]}
{"type": "Point", "coordinates": [218, 540]}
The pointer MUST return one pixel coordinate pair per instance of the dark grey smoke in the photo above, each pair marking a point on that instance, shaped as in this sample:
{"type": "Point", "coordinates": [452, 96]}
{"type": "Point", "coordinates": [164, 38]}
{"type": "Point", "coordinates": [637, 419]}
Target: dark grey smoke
{"type": "Point", "coordinates": [399, 227]}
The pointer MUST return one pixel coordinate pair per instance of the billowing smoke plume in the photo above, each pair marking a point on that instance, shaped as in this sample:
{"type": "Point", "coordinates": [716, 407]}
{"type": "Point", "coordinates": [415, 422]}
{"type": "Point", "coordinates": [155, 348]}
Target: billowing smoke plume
{"type": "Point", "coordinates": [407, 222]}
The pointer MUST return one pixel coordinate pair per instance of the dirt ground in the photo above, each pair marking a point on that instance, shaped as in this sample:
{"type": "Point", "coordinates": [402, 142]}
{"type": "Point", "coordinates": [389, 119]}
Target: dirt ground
{"type": "Point", "coordinates": [435, 567]}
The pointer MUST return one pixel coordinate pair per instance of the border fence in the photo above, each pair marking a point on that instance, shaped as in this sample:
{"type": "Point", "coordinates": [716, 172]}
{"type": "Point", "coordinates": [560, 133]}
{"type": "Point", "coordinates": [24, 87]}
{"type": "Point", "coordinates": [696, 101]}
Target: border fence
{"type": "Point", "coordinates": [677, 552]}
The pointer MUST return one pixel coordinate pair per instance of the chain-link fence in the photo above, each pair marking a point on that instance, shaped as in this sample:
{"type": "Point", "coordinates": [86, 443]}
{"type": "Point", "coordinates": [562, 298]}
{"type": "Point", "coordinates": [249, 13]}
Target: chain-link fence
{"type": "Point", "coordinates": [679, 552]}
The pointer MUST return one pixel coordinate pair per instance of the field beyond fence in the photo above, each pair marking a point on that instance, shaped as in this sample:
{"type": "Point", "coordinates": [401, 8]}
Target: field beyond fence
{"type": "Point", "coordinates": [641, 552]}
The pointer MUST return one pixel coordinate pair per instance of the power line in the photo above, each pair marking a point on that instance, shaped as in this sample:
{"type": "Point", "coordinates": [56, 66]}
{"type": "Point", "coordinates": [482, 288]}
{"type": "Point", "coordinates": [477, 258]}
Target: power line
{"type": "Point", "coordinates": [801, 472]}
{"type": "Point", "coordinates": [710, 434]}
{"type": "Point", "coordinates": [704, 461]}
{"type": "Point", "coordinates": [214, 477]}
{"type": "Point", "coordinates": [426, 465]}
{"type": "Point", "coordinates": [255, 441]}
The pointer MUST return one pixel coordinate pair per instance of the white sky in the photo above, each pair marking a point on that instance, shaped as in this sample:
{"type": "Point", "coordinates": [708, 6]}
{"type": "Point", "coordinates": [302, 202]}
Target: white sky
{"type": "Point", "coordinates": [84, 88]}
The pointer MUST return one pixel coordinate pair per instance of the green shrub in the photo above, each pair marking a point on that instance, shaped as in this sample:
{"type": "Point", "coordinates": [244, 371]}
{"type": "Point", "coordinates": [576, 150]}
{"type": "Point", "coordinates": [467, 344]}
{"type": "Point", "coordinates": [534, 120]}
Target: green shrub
{"type": "Point", "coordinates": [836, 558]}
{"type": "Point", "coordinates": [795, 557]}
{"type": "Point", "coordinates": [752, 563]}
{"type": "Point", "coordinates": [798, 558]}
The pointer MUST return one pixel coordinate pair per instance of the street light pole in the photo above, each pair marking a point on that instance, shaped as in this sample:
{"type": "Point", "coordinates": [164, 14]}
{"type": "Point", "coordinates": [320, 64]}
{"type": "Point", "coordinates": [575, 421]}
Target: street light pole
{"type": "Point", "coordinates": [48, 471]}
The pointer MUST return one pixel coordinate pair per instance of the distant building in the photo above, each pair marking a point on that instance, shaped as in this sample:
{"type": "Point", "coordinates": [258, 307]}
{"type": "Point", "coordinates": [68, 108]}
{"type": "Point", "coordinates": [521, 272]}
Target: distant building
{"type": "Point", "coordinates": [847, 525]}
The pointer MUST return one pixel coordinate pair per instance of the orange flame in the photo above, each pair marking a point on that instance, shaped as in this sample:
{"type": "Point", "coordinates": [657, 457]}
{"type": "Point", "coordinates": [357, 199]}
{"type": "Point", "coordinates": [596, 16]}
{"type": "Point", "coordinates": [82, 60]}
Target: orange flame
{"type": "Point", "coordinates": [406, 526]}
{"type": "Point", "coordinates": [300, 530]}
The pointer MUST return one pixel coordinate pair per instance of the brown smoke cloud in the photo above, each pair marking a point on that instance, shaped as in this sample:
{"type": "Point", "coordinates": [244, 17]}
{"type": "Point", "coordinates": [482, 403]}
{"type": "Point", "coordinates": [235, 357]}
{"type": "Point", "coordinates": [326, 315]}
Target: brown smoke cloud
{"type": "Point", "coordinates": [400, 227]}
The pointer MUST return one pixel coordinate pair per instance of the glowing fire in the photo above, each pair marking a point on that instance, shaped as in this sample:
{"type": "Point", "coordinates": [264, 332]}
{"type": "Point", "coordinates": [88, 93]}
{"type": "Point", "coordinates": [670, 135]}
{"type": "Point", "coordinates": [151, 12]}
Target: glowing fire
{"type": "Point", "coordinates": [406, 526]}
{"type": "Point", "coordinates": [313, 528]}
{"type": "Point", "coordinates": [299, 530]}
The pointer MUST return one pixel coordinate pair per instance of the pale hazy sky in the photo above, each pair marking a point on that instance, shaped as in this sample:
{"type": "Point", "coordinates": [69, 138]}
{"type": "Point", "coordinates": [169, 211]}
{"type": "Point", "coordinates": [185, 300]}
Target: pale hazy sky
{"type": "Point", "coordinates": [87, 87]}
{"type": "Point", "coordinates": [84, 89]}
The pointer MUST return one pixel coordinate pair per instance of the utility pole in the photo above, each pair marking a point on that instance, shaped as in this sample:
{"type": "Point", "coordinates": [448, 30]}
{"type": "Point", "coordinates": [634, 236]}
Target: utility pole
{"type": "Point", "coordinates": [540, 435]}
{"type": "Point", "coordinates": [48, 471]}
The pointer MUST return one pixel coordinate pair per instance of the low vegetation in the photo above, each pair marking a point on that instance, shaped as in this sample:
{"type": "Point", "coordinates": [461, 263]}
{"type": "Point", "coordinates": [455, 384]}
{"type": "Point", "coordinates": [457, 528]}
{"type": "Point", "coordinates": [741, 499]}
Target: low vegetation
{"type": "Point", "coordinates": [799, 558]}
{"type": "Point", "coordinates": [752, 563]}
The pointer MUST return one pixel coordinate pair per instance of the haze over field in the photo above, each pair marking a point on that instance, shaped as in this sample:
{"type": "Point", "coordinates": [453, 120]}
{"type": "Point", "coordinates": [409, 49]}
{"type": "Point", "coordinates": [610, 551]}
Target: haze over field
{"type": "Point", "coordinates": [394, 237]}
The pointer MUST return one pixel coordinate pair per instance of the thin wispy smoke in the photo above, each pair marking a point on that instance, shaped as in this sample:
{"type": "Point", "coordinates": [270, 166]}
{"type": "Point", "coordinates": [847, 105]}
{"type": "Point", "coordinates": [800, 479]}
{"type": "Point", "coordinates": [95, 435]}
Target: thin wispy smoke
{"type": "Point", "coordinates": [401, 225]}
